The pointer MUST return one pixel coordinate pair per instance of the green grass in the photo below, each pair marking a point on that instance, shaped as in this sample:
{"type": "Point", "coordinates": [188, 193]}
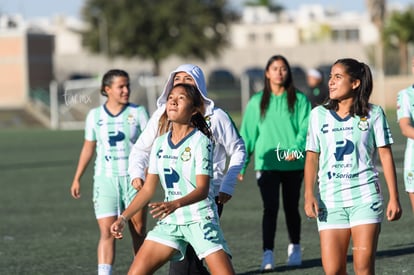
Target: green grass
{"type": "Point", "coordinates": [44, 231]}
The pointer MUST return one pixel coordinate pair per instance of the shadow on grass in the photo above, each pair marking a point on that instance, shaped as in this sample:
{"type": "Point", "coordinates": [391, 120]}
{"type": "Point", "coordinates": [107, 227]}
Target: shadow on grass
{"type": "Point", "coordinates": [404, 249]}
{"type": "Point", "coordinates": [311, 263]}
{"type": "Point", "coordinates": [39, 164]}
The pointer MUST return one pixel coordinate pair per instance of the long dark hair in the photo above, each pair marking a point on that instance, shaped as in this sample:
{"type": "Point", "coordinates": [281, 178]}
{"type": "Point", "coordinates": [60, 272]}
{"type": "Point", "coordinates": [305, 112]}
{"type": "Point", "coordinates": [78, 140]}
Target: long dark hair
{"type": "Point", "coordinates": [288, 85]}
{"type": "Point", "coordinates": [108, 78]}
{"type": "Point", "coordinates": [197, 120]}
{"type": "Point", "coordinates": [361, 71]}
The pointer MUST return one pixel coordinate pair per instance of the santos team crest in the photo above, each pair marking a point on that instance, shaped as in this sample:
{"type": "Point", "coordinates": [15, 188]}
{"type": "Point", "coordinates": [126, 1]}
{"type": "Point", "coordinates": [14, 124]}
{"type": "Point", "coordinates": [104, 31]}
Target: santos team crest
{"type": "Point", "coordinates": [363, 124]}
{"type": "Point", "coordinates": [186, 155]}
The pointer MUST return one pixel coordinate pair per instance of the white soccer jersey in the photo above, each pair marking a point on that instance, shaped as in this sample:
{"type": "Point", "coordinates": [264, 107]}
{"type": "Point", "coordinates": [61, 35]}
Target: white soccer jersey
{"type": "Point", "coordinates": [114, 136]}
{"type": "Point", "coordinates": [227, 142]}
{"type": "Point", "coordinates": [177, 167]}
{"type": "Point", "coordinates": [405, 108]}
{"type": "Point", "coordinates": [347, 155]}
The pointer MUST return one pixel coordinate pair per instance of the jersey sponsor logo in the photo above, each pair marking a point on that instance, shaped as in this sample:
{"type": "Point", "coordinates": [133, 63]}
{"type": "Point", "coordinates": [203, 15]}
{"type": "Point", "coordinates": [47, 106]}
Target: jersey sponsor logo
{"type": "Point", "coordinates": [323, 129]}
{"type": "Point", "coordinates": [341, 165]}
{"type": "Point", "coordinates": [109, 158]}
{"type": "Point", "coordinates": [333, 175]}
{"type": "Point", "coordinates": [343, 148]}
{"type": "Point", "coordinates": [114, 137]}
{"type": "Point", "coordinates": [159, 153]}
{"type": "Point", "coordinates": [102, 122]}
{"type": "Point", "coordinates": [186, 155]}
{"type": "Point", "coordinates": [171, 176]}
{"type": "Point", "coordinates": [349, 128]}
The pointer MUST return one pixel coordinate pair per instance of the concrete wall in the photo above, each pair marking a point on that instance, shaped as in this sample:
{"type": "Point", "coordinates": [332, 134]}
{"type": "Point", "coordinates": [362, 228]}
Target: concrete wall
{"type": "Point", "coordinates": [13, 70]}
{"type": "Point", "coordinates": [25, 64]}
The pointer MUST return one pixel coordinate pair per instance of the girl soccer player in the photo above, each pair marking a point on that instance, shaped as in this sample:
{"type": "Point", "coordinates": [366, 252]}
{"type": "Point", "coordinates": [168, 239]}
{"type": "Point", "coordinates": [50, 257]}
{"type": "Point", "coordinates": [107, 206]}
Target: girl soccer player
{"type": "Point", "coordinates": [228, 145]}
{"type": "Point", "coordinates": [181, 159]}
{"type": "Point", "coordinates": [111, 130]}
{"type": "Point", "coordinates": [344, 136]}
{"type": "Point", "coordinates": [405, 114]}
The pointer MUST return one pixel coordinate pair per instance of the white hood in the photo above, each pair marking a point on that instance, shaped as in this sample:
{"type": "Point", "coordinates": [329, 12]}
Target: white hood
{"type": "Point", "coordinates": [198, 76]}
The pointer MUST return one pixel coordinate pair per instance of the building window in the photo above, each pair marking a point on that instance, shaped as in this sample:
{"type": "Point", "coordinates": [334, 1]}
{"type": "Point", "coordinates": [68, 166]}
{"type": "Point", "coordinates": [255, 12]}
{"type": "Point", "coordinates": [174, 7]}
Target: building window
{"type": "Point", "coordinates": [345, 35]}
{"type": "Point", "coordinates": [268, 37]}
{"type": "Point", "coordinates": [252, 37]}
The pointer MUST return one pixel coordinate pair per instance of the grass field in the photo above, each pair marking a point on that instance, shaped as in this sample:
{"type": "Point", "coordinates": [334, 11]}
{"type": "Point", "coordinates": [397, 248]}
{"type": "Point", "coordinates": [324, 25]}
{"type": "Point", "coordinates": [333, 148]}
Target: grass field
{"type": "Point", "coordinates": [44, 231]}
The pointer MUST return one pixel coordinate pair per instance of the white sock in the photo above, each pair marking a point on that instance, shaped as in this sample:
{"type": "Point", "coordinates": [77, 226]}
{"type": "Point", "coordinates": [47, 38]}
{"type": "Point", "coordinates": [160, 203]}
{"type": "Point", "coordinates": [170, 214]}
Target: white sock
{"type": "Point", "coordinates": [104, 269]}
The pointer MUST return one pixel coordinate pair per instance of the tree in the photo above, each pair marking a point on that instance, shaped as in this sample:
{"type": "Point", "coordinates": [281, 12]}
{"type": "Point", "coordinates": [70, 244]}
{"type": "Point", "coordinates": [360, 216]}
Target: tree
{"type": "Point", "coordinates": [272, 5]}
{"type": "Point", "coordinates": [157, 29]}
{"type": "Point", "coordinates": [376, 9]}
{"type": "Point", "coordinates": [398, 32]}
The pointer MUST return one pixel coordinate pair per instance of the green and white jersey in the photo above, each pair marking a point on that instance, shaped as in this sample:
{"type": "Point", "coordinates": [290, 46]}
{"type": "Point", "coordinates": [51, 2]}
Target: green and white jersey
{"type": "Point", "coordinates": [405, 108]}
{"type": "Point", "coordinates": [114, 136]}
{"type": "Point", "coordinates": [177, 167]}
{"type": "Point", "coordinates": [347, 155]}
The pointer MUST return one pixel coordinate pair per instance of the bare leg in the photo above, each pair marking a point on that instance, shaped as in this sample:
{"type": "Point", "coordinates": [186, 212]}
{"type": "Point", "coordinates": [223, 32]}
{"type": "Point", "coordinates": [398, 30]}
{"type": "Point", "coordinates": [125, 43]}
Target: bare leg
{"type": "Point", "coordinates": [365, 240]}
{"type": "Point", "coordinates": [150, 257]}
{"type": "Point", "coordinates": [106, 245]}
{"type": "Point", "coordinates": [219, 263]}
{"type": "Point", "coordinates": [334, 247]}
{"type": "Point", "coordinates": [411, 196]}
{"type": "Point", "coordinates": [138, 228]}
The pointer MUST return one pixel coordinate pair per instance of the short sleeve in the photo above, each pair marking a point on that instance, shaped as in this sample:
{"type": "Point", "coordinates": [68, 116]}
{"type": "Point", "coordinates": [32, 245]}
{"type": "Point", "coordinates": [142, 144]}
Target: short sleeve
{"type": "Point", "coordinates": [90, 133]}
{"type": "Point", "coordinates": [403, 105]}
{"type": "Point", "coordinates": [204, 157]}
{"type": "Point", "coordinates": [382, 130]}
{"type": "Point", "coordinates": [312, 139]}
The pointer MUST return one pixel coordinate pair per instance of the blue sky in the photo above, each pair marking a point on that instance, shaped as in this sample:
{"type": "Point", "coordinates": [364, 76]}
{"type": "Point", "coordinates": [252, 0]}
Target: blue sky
{"type": "Point", "coordinates": [41, 8]}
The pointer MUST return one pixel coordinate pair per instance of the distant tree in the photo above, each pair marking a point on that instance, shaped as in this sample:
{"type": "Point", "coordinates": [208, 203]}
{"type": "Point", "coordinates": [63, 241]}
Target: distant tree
{"type": "Point", "coordinates": [376, 9]}
{"type": "Point", "coordinates": [157, 29]}
{"type": "Point", "coordinates": [399, 33]}
{"type": "Point", "coordinates": [273, 6]}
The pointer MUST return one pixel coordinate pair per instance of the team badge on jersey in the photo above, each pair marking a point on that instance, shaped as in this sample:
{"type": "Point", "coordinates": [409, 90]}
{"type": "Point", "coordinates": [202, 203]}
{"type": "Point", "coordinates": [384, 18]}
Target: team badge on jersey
{"type": "Point", "coordinates": [186, 155]}
{"type": "Point", "coordinates": [410, 178]}
{"type": "Point", "coordinates": [131, 119]}
{"type": "Point", "coordinates": [363, 124]}
{"type": "Point", "coordinates": [208, 120]}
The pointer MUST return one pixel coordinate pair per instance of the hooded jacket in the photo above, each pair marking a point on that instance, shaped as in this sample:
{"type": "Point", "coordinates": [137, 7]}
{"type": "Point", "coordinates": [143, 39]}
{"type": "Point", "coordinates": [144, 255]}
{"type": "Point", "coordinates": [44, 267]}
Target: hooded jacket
{"type": "Point", "coordinates": [227, 139]}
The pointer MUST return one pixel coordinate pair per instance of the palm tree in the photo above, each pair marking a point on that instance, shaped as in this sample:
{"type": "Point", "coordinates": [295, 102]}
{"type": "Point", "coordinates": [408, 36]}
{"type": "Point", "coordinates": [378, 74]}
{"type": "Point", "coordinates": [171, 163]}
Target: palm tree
{"type": "Point", "coordinates": [376, 9]}
{"type": "Point", "coordinates": [398, 32]}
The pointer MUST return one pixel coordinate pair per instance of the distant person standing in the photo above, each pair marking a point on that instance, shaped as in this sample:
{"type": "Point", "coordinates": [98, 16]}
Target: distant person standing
{"type": "Point", "coordinates": [405, 115]}
{"type": "Point", "coordinates": [317, 91]}
{"type": "Point", "coordinates": [111, 130]}
{"type": "Point", "coordinates": [274, 129]}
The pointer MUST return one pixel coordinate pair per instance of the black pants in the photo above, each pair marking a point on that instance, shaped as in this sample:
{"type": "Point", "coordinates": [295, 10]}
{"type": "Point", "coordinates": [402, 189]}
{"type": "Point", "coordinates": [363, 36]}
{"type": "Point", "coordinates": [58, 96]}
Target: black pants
{"type": "Point", "coordinates": [191, 264]}
{"type": "Point", "coordinates": [270, 183]}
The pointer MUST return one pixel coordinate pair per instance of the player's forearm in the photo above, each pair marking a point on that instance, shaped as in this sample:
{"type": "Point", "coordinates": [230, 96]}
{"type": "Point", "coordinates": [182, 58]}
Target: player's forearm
{"type": "Point", "coordinates": [198, 194]}
{"type": "Point", "coordinates": [390, 174]}
{"type": "Point", "coordinates": [142, 198]}
{"type": "Point", "coordinates": [311, 168]}
{"type": "Point", "coordinates": [84, 159]}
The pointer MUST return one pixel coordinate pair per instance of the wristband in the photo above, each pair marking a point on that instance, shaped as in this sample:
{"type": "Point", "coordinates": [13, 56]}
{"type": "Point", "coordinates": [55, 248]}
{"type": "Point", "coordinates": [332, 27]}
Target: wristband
{"type": "Point", "coordinates": [123, 218]}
